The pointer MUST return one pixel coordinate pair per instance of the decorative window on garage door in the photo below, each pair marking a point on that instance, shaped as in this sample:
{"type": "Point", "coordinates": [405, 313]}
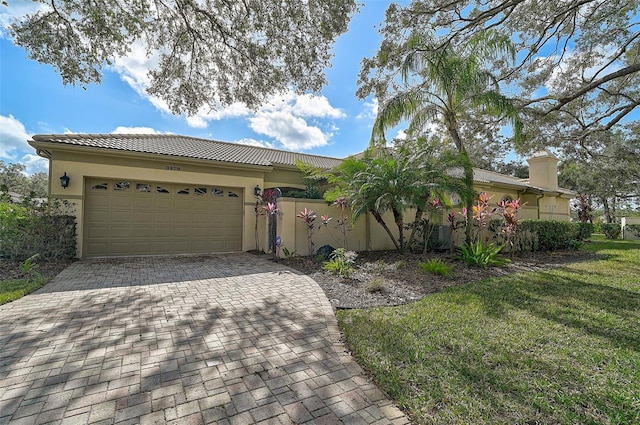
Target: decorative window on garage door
{"type": "Point", "coordinates": [121, 186]}
{"type": "Point", "coordinates": [100, 186]}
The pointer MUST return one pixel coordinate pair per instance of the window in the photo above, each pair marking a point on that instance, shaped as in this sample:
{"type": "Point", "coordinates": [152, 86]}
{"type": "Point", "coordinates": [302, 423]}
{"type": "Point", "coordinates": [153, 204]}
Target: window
{"type": "Point", "coordinates": [200, 191]}
{"type": "Point", "coordinates": [143, 187]}
{"type": "Point", "coordinates": [232, 194]}
{"type": "Point", "coordinates": [120, 186]}
{"type": "Point", "coordinates": [184, 191]}
{"type": "Point", "coordinates": [217, 192]}
{"type": "Point", "coordinates": [160, 189]}
{"type": "Point", "coordinates": [100, 186]}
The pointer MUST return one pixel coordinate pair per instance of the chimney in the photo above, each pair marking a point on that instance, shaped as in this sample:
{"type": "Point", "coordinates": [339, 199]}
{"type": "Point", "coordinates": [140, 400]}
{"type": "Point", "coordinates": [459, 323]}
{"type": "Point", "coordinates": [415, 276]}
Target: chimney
{"type": "Point", "coordinates": [543, 170]}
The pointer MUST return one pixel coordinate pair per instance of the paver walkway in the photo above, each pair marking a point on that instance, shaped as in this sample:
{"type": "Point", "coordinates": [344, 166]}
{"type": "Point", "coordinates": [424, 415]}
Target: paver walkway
{"type": "Point", "coordinates": [228, 339]}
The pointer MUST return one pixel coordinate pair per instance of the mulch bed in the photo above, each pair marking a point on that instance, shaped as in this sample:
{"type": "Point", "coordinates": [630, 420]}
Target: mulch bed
{"type": "Point", "coordinates": [12, 269]}
{"type": "Point", "coordinates": [382, 278]}
{"type": "Point", "coordinates": [388, 278]}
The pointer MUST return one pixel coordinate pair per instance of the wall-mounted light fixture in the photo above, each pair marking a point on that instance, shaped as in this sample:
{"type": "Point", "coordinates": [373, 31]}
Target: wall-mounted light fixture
{"type": "Point", "coordinates": [257, 192]}
{"type": "Point", "coordinates": [64, 181]}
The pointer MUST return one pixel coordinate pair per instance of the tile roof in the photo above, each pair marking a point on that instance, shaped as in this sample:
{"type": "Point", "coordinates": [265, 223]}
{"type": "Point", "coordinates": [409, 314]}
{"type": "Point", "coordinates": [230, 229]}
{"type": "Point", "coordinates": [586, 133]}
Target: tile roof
{"type": "Point", "coordinates": [492, 177]}
{"type": "Point", "coordinates": [189, 147]}
{"type": "Point", "coordinates": [213, 150]}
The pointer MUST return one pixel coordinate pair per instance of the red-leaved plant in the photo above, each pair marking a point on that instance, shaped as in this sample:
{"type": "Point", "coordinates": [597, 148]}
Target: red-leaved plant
{"type": "Point", "coordinates": [509, 211]}
{"type": "Point", "coordinates": [342, 221]}
{"type": "Point", "coordinates": [309, 217]}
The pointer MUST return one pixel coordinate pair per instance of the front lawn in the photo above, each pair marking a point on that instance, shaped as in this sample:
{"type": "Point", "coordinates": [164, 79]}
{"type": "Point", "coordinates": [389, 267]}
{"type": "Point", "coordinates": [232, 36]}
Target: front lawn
{"type": "Point", "coordinates": [16, 282]}
{"type": "Point", "coordinates": [13, 289]}
{"type": "Point", "coordinates": [554, 346]}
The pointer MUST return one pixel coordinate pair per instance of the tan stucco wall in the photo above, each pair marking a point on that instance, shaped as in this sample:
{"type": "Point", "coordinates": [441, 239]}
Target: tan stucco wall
{"type": "Point", "coordinates": [294, 236]}
{"type": "Point", "coordinates": [79, 166]}
{"type": "Point", "coordinates": [365, 234]}
{"type": "Point", "coordinates": [283, 178]}
{"type": "Point", "coordinates": [629, 220]}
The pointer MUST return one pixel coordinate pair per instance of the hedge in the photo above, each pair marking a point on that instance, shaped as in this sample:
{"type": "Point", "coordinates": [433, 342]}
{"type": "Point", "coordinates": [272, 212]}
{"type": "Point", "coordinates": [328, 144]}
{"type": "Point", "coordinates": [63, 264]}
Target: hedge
{"type": "Point", "coordinates": [611, 230]}
{"type": "Point", "coordinates": [585, 230]}
{"type": "Point", "coordinates": [547, 235]}
{"type": "Point", "coordinates": [29, 229]}
{"type": "Point", "coordinates": [634, 229]}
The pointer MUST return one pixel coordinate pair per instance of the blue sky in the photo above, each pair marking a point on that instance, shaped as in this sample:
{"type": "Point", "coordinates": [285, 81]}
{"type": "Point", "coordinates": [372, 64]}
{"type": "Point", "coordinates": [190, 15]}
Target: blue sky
{"type": "Point", "coordinates": [34, 101]}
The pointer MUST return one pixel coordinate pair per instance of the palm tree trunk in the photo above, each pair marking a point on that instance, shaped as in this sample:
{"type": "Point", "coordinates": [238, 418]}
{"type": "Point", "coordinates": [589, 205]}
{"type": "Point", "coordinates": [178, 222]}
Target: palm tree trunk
{"type": "Point", "coordinates": [397, 216]}
{"type": "Point", "coordinates": [380, 221]}
{"type": "Point", "coordinates": [468, 180]}
{"type": "Point", "coordinates": [452, 127]}
{"type": "Point", "coordinates": [416, 220]}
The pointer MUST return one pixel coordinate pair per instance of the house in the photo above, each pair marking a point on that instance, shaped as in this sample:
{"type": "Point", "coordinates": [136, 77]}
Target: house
{"type": "Point", "coordinates": [168, 194]}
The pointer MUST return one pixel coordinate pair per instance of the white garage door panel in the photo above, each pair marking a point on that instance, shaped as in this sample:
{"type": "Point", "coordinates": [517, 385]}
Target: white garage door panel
{"type": "Point", "coordinates": [137, 218]}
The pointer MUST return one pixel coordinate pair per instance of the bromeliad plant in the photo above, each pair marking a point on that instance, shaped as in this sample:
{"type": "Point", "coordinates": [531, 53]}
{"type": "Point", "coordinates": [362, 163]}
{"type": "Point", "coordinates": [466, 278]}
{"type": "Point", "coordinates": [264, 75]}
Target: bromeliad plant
{"type": "Point", "coordinates": [481, 254]}
{"type": "Point", "coordinates": [341, 262]}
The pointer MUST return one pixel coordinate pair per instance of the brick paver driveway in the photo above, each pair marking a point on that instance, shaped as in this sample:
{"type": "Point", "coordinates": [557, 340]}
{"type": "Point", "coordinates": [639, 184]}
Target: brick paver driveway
{"type": "Point", "coordinates": [186, 340]}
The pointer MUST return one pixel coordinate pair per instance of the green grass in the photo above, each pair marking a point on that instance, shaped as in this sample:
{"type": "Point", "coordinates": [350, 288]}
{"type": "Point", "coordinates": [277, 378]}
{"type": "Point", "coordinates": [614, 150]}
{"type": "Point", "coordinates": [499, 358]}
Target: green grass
{"type": "Point", "coordinates": [560, 346]}
{"type": "Point", "coordinates": [13, 289]}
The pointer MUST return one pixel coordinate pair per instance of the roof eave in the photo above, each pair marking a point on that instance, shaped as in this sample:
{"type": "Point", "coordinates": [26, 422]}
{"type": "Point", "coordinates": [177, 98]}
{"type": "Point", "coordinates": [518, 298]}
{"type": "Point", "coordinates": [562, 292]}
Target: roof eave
{"type": "Point", "coordinates": [48, 146]}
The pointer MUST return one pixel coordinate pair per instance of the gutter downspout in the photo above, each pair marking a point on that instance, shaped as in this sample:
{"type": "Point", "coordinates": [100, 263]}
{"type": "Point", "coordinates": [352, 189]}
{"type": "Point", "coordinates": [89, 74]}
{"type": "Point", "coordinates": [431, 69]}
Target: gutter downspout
{"type": "Point", "coordinates": [538, 203]}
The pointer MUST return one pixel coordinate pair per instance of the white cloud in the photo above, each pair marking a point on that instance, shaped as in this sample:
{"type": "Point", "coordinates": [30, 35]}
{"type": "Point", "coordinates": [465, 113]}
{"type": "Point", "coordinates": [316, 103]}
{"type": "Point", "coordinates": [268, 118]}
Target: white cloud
{"type": "Point", "coordinates": [254, 142]}
{"type": "Point", "coordinates": [305, 105]}
{"type": "Point", "coordinates": [135, 130]}
{"type": "Point", "coordinates": [370, 110]}
{"type": "Point", "coordinates": [35, 163]}
{"type": "Point", "coordinates": [295, 121]}
{"type": "Point", "coordinates": [14, 147]}
{"type": "Point", "coordinates": [204, 115]}
{"type": "Point", "coordinates": [15, 11]}
{"type": "Point", "coordinates": [13, 138]}
{"type": "Point", "coordinates": [292, 132]}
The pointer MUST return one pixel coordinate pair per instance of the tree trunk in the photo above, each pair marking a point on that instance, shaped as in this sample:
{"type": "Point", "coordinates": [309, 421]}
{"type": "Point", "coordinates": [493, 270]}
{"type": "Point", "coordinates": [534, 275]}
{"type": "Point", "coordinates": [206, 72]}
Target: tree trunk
{"type": "Point", "coordinates": [468, 181]}
{"type": "Point", "coordinates": [416, 220]}
{"type": "Point", "coordinates": [397, 216]}
{"type": "Point", "coordinates": [380, 221]}
{"type": "Point", "coordinates": [607, 213]}
{"type": "Point", "coordinates": [452, 127]}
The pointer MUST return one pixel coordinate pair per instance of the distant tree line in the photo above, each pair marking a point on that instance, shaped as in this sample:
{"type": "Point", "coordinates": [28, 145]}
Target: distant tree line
{"type": "Point", "coordinates": [14, 178]}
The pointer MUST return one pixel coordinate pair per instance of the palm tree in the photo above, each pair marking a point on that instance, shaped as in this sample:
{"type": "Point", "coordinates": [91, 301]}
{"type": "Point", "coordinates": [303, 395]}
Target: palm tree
{"type": "Point", "coordinates": [450, 84]}
{"type": "Point", "coordinates": [394, 180]}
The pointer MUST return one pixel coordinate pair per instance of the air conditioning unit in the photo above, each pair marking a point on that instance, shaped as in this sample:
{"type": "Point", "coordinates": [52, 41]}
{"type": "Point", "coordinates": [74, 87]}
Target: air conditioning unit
{"type": "Point", "coordinates": [444, 236]}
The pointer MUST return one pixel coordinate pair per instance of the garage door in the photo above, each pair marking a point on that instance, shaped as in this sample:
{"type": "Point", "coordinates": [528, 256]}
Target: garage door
{"type": "Point", "coordinates": [128, 217]}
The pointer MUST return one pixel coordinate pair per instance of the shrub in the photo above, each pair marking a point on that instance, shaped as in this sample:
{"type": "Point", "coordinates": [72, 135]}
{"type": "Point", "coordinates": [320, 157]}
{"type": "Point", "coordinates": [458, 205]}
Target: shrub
{"type": "Point", "coordinates": [547, 235]}
{"type": "Point", "coordinates": [479, 254]}
{"type": "Point", "coordinates": [376, 286]}
{"type": "Point", "coordinates": [585, 230]}
{"type": "Point", "coordinates": [634, 229]}
{"type": "Point", "coordinates": [289, 255]}
{"type": "Point", "coordinates": [30, 228]}
{"type": "Point", "coordinates": [436, 266]}
{"type": "Point", "coordinates": [611, 230]}
{"type": "Point", "coordinates": [341, 262]}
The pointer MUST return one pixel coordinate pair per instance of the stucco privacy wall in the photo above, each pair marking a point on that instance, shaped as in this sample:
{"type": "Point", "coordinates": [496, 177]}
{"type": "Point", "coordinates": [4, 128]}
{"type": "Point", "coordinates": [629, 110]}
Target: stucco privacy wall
{"type": "Point", "coordinates": [365, 234]}
{"type": "Point", "coordinates": [80, 166]}
{"type": "Point", "coordinates": [625, 233]}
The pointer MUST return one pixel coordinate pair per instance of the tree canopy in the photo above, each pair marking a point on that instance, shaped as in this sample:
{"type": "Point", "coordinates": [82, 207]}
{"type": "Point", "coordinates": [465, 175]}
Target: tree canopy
{"type": "Point", "coordinates": [207, 52]}
{"type": "Point", "coordinates": [577, 65]}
